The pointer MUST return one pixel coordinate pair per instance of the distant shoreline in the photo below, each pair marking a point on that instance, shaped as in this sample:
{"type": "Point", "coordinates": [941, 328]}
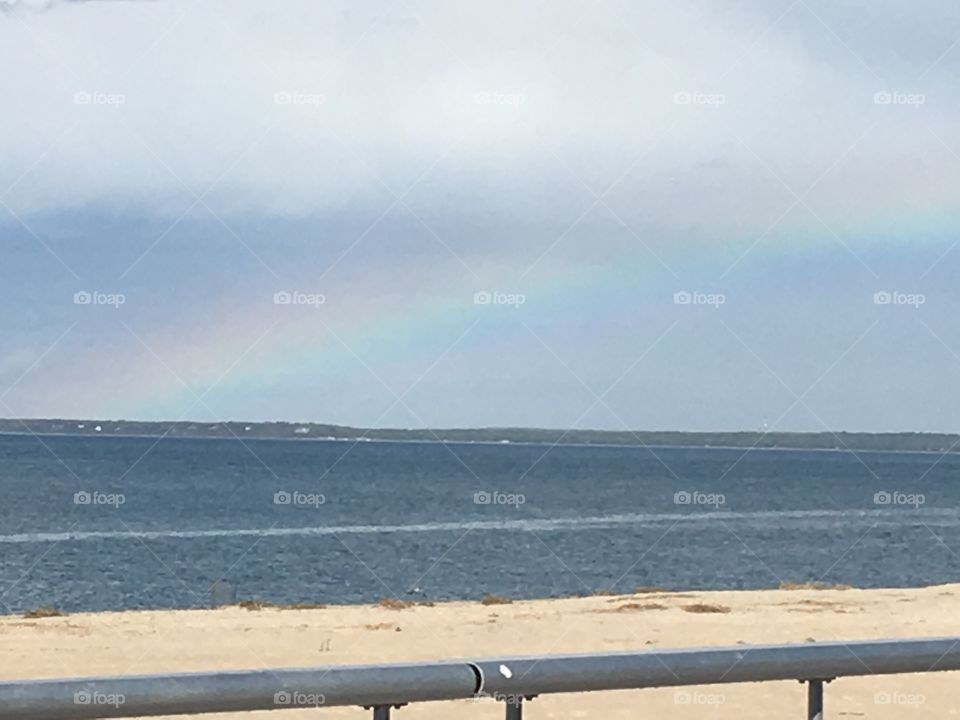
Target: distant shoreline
{"type": "Point", "coordinates": [899, 442]}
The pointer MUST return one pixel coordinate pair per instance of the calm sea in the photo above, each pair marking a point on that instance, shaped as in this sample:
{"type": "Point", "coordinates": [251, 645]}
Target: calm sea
{"type": "Point", "coordinates": [111, 523]}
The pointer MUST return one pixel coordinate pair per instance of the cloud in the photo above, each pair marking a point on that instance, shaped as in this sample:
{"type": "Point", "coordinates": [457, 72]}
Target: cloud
{"type": "Point", "coordinates": [41, 5]}
{"type": "Point", "coordinates": [399, 157]}
{"type": "Point", "coordinates": [318, 110]}
{"type": "Point", "coordinates": [35, 5]}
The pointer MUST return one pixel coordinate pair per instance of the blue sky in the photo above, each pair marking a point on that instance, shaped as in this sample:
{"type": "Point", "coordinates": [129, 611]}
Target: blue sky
{"type": "Point", "coordinates": [789, 168]}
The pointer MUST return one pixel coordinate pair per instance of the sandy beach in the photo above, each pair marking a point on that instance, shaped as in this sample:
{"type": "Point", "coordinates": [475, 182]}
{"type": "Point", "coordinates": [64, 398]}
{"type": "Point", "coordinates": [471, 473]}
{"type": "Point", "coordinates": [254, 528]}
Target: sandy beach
{"type": "Point", "coordinates": [241, 638]}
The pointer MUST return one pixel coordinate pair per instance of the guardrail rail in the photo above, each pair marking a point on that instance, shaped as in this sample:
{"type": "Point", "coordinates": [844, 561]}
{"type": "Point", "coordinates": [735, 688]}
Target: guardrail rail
{"type": "Point", "coordinates": [512, 680]}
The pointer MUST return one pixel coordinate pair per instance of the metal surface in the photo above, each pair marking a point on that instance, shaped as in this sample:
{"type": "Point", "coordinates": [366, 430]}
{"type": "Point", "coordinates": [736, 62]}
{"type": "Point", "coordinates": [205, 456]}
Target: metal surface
{"type": "Point", "coordinates": [705, 666]}
{"type": "Point", "coordinates": [510, 679]}
{"type": "Point", "coordinates": [815, 700]}
{"type": "Point", "coordinates": [146, 695]}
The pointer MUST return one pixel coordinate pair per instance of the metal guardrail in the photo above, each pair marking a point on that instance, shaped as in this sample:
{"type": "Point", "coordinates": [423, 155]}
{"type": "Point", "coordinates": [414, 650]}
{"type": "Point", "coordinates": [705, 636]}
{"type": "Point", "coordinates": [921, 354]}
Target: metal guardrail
{"type": "Point", "coordinates": [509, 680]}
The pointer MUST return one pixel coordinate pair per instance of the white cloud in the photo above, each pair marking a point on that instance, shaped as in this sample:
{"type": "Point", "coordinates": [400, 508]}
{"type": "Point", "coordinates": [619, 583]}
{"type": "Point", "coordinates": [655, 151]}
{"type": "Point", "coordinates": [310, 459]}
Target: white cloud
{"type": "Point", "coordinates": [516, 106]}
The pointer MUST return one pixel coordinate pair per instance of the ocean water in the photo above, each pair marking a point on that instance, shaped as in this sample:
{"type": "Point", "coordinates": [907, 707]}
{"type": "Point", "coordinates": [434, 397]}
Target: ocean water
{"type": "Point", "coordinates": [114, 523]}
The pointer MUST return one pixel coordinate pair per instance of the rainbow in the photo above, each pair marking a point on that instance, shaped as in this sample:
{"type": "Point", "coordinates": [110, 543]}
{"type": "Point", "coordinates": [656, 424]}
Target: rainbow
{"type": "Point", "coordinates": [248, 344]}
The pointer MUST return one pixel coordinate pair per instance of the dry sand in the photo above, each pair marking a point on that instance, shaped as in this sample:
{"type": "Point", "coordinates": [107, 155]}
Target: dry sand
{"type": "Point", "coordinates": [237, 638]}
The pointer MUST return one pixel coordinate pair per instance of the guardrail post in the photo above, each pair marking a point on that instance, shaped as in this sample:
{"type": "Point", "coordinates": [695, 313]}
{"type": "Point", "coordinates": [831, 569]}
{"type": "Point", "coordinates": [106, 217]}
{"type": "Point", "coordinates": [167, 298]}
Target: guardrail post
{"type": "Point", "coordinates": [514, 708]}
{"type": "Point", "coordinates": [382, 712]}
{"type": "Point", "coordinates": [815, 700]}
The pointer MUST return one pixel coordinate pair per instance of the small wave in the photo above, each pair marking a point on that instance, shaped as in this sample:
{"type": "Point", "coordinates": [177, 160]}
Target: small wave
{"type": "Point", "coordinates": [527, 524]}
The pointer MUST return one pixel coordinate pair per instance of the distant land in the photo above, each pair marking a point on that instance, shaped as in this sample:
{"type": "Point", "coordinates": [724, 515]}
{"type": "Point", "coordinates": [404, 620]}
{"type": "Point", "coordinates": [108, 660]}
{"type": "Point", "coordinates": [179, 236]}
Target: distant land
{"type": "Point", "coordinates": [899, 442]}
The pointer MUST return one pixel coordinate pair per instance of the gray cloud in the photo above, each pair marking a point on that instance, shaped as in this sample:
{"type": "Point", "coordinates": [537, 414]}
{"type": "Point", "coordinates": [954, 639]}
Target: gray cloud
{"type": "Point", "coordinates": [715, 131]}
{"type": "Point", "coordinates": [10, 6]}
{"type": "Point", "coordinates": [311, 109]}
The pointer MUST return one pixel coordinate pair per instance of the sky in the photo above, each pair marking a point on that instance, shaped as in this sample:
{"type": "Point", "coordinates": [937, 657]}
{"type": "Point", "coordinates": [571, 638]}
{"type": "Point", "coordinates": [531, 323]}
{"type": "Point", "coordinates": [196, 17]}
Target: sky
{"type": "Point", "coordinates": [674, 215]}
